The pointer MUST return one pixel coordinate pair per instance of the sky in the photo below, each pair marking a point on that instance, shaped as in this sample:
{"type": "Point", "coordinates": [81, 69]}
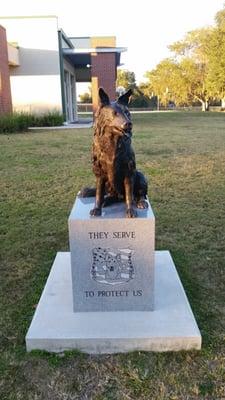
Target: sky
{"type": "Point", "coordinates": [144, 27]}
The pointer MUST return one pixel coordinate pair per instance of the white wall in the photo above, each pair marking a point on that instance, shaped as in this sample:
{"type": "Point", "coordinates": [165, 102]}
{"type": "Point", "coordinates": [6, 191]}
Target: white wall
{"type": "Point", "coordinates": [36, 94]}
{"type": "Point", "coordinates": [35, 83]}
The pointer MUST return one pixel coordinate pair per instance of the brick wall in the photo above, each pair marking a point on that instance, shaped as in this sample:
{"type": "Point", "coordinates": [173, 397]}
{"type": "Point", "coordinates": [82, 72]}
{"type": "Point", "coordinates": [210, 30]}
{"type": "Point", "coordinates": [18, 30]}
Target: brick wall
{"type": "Point", "coordinates": [5, 91]}
{"type": "Point", "coordinates": [103, 72]}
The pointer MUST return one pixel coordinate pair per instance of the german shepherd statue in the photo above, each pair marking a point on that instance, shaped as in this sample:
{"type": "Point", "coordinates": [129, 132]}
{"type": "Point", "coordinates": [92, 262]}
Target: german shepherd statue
{"type": "Point", "coordinates": [113, 158]}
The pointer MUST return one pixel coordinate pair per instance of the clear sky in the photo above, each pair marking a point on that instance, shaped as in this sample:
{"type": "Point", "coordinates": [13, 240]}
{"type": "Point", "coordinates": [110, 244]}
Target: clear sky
{"type": "Point", "coordinates": [145, 27]}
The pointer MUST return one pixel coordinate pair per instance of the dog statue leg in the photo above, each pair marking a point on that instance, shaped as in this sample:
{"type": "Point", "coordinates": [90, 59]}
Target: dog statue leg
{"type": "Point", "coordinates": [97, 210]}
{"type": "Point", "coordinates": [140, 190]}
{"type": "Point", "coordinates": [128, 185]}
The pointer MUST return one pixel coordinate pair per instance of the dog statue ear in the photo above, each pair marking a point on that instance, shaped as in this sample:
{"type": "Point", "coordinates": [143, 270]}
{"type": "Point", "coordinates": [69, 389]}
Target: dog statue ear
{"type": "Point", "coordinates": [104, 98]}
{"type": "Point", "coordinates": [125, 98]}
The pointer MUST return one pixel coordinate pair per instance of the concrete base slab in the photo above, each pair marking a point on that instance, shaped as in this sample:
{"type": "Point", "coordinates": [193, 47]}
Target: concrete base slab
{"type": "Point", "coordinates": [170, 327]}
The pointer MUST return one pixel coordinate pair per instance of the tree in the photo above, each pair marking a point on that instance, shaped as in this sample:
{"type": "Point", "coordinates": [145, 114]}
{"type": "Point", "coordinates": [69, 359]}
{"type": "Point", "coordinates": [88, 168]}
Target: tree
{"type": "Point", "coordinates": [125, 79]}
{"type": "Point", "coordinates": [216, 58]}
{"type": "Point", "coordinates": [182, 82]}
{"type": "Point", "coordinates": [139, 100]}
{"type": "Point", "coordinates": [196, 71]}
{"type": "Point", "coordinates": [147, 91]}
{"type": "Point", "coordinates": [191, 54]}
{"type": "Point", "coordinates": [193, 45]}
{"type": "Point", "coordinates": [166, 82]}
{"type": "Point", "coordinates": [86, 97]}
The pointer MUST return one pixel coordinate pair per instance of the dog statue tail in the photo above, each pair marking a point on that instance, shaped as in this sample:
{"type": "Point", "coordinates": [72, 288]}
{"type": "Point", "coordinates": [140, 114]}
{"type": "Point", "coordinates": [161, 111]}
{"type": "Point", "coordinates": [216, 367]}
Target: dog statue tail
{"type": "Point", "coordinates": [87, 192]}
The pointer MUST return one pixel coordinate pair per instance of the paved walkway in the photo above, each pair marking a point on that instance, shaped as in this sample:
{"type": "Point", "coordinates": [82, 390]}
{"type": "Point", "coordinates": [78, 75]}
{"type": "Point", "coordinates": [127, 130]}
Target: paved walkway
{"type": "Point", "coordinates": [82, 123]}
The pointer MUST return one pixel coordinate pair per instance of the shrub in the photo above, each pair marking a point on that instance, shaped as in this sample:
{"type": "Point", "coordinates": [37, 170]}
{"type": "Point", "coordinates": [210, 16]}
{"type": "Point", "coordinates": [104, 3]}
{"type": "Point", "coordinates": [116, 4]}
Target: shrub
{"type": "Point", "coordinates": [20, 122]}
{"type": "Point", "coordinates": [13, 123]}
{"type": "Point", "coordinates": [48, 119]}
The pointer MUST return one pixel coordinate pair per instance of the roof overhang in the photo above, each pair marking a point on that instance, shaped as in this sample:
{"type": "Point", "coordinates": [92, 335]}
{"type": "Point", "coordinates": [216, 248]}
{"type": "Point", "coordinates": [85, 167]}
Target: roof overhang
{"type": "Point", "coordinates": [82, 57]}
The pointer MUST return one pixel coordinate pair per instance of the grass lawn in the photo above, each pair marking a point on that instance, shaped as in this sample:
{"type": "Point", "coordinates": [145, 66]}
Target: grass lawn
{"type": "Point", "coordinates": [183, 156]}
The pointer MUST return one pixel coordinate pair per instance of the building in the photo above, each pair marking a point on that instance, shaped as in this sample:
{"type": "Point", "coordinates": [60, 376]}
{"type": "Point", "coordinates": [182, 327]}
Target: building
{"type": "Point", "coordinates": [44, 65]}
{"type": "Point", "coordinates": [5, 91]}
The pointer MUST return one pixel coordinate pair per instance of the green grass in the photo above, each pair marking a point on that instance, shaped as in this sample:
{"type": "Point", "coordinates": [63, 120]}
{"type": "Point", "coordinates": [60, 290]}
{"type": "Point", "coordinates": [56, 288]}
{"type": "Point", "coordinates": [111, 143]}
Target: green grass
{"type": "Point", "coordinates": [183, 156]}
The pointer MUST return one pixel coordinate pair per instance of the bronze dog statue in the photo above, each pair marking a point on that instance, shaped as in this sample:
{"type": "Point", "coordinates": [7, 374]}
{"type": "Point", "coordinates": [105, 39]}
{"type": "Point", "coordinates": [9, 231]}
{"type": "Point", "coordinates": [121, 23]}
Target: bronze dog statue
{"type": "Point", "coordinates": [113, 158]}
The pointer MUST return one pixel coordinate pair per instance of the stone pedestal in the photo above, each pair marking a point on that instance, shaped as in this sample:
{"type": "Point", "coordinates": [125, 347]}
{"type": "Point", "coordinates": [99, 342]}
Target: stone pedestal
{"type": "Point", "coordinates": [113, 293]}
{"type": "Point", "coordinates": [112, 258]}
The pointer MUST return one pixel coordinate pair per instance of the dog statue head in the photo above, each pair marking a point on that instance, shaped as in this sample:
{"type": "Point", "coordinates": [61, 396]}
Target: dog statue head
{"type": "Point", "coordinates": [114, 116]}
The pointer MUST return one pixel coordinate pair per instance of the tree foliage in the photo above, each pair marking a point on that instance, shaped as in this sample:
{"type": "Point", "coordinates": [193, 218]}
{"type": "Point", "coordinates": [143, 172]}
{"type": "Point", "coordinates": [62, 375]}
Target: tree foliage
{"type": "Point", "coordinates": [86, 97]}
{"type": "Point", "coordinates": [195, 71]}
{"type": "Point", "coordinates": [163, 81]}
{"type": "Point", "coordinates": [126, 79]}
{"type": "Point", "coordinates": [216, 58]}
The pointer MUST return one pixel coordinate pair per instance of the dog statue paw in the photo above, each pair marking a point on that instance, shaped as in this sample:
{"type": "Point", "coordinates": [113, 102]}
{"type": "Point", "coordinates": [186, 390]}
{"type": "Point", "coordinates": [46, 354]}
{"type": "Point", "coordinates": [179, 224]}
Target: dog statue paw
{"type": "Point", "coordinates": [96, 212]}
{"type": "Point", "coordinates": [142, 204]}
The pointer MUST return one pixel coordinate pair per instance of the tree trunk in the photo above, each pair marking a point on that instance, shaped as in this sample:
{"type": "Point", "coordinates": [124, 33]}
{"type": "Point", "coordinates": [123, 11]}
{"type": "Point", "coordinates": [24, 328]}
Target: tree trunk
{"type": "Point", "coordinates": [223, 103]}
{"type": "Point", "coordinates": [205, 105]}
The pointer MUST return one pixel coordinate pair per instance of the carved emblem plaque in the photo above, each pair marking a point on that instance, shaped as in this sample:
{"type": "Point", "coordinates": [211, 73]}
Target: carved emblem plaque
{"type": "Point", "coordinates": [112, 266]}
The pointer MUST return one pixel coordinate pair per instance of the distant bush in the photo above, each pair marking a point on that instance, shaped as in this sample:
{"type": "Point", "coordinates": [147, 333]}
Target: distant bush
{"type": "Point", "coordinates": [48, 119]}
{"type": "Point", "coordinates": [140, 101]}
{"type": "Point", "coordinates": [20, 122]}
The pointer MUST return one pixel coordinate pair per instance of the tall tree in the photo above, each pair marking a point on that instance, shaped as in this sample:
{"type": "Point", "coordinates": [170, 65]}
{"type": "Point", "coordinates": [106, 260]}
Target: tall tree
{"type": "Point", "coordinates": [192, 55]}
{"type": "Point", "coordinates": [166, 82]}
{"type": "Point", "coordinates": [216, 58]}
{"type": "Point", "coordinates": [196, 71]}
